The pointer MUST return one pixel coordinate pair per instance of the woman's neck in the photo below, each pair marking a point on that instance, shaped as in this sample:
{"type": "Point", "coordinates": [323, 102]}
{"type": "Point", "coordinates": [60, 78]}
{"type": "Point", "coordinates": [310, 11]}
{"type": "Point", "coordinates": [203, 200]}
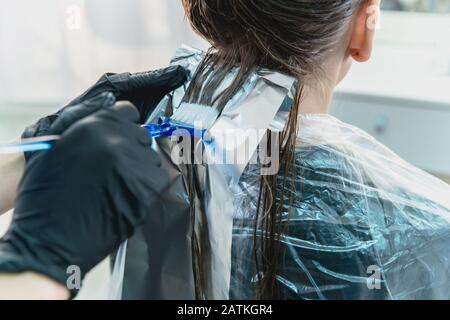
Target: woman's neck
{"type": "Point", "coordinates": [316, 99]}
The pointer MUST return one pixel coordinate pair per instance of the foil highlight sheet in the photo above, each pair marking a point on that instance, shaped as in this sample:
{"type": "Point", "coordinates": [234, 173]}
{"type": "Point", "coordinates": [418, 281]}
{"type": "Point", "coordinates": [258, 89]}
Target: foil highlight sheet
{"type": "Point", "coordinates": [159, 261]}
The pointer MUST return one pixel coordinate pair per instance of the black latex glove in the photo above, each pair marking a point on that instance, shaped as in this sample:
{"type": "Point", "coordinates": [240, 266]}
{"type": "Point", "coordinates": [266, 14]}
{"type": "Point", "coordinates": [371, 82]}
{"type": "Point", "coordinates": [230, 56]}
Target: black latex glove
{"type": "Point", "coordinates": [145, 90]}
{"type": "Point", "coordinates": [79, 201]}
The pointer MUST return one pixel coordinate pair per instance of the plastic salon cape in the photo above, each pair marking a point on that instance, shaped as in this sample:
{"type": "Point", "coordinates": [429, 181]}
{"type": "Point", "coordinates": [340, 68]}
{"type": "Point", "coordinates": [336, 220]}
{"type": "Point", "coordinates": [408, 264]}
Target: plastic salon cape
{"type": "Point", "coordinates": [364, 224]}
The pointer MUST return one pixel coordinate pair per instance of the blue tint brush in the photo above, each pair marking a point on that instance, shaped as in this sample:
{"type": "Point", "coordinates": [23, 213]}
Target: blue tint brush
{"type": "Point", "coordinates": [30, 145]}
{"type": "Point", "coordinates": [166, 127]}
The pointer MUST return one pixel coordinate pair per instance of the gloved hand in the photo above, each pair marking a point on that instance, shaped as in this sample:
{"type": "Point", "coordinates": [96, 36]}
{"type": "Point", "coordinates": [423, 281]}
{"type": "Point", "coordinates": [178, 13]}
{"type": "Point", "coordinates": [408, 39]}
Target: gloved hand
{"type": "Point", "coordinates": [78, 202]}
{"type": "Point", "coordinates": [145, 90]}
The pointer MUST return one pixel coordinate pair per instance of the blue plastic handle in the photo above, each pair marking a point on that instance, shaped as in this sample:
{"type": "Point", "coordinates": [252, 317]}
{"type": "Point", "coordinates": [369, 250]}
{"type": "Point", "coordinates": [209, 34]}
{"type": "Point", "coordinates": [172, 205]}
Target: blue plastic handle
{"type": "Point", "coordinates": [166, 127]}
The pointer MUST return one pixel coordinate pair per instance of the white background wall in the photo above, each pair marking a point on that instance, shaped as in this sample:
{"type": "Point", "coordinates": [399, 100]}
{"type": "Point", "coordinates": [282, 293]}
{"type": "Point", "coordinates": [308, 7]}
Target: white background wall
{"type": "Point", "coordinates": [53, 49]}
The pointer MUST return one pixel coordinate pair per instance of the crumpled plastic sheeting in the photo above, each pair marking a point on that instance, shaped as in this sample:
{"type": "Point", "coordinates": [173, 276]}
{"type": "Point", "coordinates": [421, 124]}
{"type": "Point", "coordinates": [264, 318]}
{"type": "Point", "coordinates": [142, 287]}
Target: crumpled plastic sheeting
{"type": "Point", "coordinates": [365, 224]}
{"type": "Point", "coordinates": [360, 214]}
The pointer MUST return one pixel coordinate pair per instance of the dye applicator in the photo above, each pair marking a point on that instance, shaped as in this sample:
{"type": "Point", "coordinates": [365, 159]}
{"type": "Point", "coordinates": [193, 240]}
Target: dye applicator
{"type": "Point", "coordinates": [166, 127]}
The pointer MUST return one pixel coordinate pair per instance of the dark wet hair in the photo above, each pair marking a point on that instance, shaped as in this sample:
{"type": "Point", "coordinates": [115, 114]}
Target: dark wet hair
{"type": "Point", "coordinates": [289, 36]}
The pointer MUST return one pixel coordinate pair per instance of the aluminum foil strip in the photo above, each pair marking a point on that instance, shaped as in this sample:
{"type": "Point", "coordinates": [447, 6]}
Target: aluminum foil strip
{"type": "Point", "coordinates": [159, 260]}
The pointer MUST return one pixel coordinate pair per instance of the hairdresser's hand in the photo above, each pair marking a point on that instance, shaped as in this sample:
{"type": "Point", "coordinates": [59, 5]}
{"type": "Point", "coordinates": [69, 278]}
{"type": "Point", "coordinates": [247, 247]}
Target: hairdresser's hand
{"type": "Point", "coordinates": [78, 202]}
{"type": "Point", "coordinates": [145, 90]}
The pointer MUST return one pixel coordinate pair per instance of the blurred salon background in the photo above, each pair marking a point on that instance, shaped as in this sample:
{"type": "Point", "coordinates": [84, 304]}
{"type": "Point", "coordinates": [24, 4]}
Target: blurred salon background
{"type": "Point", "coordinates": [52, 50]}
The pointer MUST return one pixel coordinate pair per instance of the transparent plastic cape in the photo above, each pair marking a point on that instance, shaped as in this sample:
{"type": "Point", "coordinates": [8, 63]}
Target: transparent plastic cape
{"type": "Point", "coordinates": [364, 224]}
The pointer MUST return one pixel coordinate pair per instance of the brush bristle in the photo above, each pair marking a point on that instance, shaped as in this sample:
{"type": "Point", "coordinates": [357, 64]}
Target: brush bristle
{"type": "Point", "coordinates": [196, 115]}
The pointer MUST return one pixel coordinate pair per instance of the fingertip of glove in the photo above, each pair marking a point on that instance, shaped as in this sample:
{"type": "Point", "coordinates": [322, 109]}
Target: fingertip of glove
{"type": "Point", "coordinates": [179, 73]}
{"type": "Point", "coordinates": [174, 76]}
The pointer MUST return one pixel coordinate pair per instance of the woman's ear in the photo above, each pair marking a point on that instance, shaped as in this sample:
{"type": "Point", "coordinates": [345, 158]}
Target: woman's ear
{"type": "Point", "coordinates": [363, 34]}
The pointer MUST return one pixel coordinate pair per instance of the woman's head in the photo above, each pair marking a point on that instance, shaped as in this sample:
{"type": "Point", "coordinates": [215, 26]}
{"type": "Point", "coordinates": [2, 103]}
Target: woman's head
{"type": "Point", "coordinates": [313, 40]}
{"type": "Point", "coordinates": [301, 37]}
